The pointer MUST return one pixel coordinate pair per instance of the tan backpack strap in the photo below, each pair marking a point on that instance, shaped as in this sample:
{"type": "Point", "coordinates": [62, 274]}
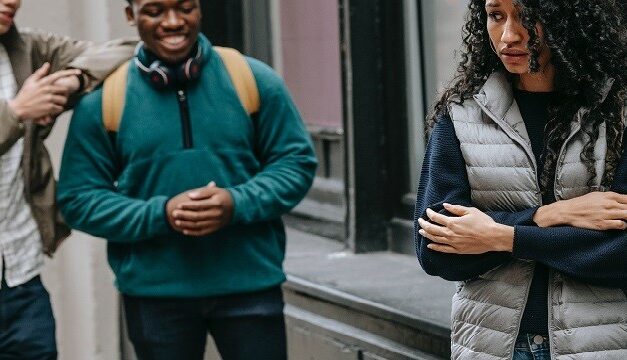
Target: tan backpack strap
{"type": "Point", "coordinates": [242, 78]}
{"type": "Point", "coordinates": [113, 97]}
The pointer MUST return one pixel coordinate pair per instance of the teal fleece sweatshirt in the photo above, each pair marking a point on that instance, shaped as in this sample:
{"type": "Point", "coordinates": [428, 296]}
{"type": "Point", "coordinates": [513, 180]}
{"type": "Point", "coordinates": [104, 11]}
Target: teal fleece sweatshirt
{"type": "Point", "coordinates": [117, 187]}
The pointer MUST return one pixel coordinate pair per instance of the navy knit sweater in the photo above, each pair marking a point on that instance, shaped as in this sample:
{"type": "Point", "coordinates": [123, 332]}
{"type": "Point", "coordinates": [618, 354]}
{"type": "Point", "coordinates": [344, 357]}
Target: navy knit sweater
{"type": "Point", "coordinates": [595, 257]}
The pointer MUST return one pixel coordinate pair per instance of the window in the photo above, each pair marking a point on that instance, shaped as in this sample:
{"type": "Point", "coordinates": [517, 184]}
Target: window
{"type": "Point", "coordinates": [432, 33]}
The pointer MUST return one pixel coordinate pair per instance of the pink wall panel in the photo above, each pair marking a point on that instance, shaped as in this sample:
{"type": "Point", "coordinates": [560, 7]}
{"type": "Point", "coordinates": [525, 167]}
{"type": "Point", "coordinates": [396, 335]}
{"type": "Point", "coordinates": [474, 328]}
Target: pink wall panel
{"type": "Point", "coordinates": [311, 59]}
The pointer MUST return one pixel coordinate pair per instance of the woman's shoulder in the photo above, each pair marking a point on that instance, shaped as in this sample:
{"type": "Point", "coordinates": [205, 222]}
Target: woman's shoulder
{"type": "Point", "coordinates": [466, 110]}
{"type": "Point", "coordinates": [443, 129]}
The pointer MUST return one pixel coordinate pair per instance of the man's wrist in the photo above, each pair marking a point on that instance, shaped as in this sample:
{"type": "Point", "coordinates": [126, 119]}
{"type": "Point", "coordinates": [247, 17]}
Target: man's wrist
{"type": "Point", "coordinates": [166, 214]}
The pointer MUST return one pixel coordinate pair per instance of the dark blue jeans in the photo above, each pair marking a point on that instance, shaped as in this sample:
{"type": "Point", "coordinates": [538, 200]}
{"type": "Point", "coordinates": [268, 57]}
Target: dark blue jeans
{"type": "Point", "coordinates": [27, 330]}
{"type": "Point", "coordinates": [532, 347]}
{"type": "Point", "coordinates": [244, 327]}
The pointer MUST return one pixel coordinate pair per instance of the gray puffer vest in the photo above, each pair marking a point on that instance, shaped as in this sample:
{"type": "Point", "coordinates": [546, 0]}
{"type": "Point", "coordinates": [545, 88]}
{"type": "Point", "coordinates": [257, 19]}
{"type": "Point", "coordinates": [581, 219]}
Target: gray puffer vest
{"type": "Point", "coordinates": [585, 322]}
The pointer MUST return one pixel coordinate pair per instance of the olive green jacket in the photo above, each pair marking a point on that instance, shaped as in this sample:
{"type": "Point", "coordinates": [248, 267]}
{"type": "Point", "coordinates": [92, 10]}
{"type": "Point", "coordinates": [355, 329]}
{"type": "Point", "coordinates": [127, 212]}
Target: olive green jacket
{"type": "Point", "coordinates": [29, 50]}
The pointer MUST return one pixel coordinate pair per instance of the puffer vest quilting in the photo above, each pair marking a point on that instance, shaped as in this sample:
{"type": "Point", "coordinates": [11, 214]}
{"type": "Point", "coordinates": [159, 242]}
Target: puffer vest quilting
{"type": "Point", "coordinates": [585, 322]}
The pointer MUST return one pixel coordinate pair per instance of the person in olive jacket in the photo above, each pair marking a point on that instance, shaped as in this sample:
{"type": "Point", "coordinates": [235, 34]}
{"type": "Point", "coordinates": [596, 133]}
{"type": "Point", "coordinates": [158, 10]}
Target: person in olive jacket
{"type": "Point", "coordinates": [40, 74]}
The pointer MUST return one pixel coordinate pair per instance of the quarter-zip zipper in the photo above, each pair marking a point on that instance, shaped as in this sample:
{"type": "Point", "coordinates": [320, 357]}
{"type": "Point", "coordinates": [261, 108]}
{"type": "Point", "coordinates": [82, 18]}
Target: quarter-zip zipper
{"type": "Point", "coordinates": [186, 125]}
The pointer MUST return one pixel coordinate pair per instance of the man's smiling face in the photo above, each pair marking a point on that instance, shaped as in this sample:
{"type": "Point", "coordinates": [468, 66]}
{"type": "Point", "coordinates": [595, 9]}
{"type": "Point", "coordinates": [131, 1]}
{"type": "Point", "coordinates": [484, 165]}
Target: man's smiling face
{"type": "Point", "coordinates": [169, 28]}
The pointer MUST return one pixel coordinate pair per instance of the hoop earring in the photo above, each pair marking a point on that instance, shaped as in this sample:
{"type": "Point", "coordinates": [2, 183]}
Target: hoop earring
{"type": "Point", "coordinates": [493, 48]}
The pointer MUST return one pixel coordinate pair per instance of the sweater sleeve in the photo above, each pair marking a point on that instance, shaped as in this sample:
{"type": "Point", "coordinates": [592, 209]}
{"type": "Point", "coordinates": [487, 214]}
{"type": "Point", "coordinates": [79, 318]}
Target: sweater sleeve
{"type": "Point", "coordinates": [284, 150]}
{"type": "Point", "coordinates": [596, 257]}
{"type": "Point", "coordinates": [87, 195]}
{"type": "Point", "coordinates": [444, 179]}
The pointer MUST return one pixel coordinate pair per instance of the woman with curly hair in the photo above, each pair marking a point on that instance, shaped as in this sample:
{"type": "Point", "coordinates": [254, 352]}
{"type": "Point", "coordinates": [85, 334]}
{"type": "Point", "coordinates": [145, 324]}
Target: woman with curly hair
{"type": "Point", "coordinates": [522, 198]}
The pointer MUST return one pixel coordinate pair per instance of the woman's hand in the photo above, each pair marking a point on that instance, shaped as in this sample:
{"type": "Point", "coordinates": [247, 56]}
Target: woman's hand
{"type": "Point", "coordinates": [594, 211]}
{"type": "Point", "coordinates": [471, 232]}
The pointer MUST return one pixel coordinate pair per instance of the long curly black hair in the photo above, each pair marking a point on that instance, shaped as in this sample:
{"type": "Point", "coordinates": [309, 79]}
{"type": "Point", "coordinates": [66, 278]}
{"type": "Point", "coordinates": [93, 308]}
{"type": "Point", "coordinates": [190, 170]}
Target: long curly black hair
{"type": "Point", "coordinates": [588, 43]}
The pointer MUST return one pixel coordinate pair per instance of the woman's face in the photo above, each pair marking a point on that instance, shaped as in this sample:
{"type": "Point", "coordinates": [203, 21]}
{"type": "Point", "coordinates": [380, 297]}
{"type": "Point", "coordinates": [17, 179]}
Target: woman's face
{"type": "Point", "coordinates": [8, 8]}
{"type": "Point", "coordinates": [509, 37]}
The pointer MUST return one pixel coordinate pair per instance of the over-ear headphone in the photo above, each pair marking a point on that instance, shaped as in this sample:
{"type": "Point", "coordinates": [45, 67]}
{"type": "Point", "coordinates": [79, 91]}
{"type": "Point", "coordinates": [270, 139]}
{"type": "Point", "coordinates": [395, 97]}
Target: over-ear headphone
{"type": "Point", "coordinates": [161, 76]}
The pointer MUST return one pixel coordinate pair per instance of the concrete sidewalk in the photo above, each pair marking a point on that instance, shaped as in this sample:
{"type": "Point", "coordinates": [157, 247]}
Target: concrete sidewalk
{"type": "Point", "coordinates": [380, 291]}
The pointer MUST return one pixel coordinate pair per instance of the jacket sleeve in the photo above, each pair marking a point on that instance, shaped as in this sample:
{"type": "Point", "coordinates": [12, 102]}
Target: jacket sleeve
{"type": "Point", "coordinates": [97, 60]}
{"type": "Point", "coordinates": [100, 60]}
{"type": "Point", "coordinates": [11, 128]}
{"type": "Point", "coordinates": [595, 257]}
{"type": "Point", "coordinates": [87, 194]}
{"type": "Point", "coordinates": [57, 50]}
{"type": "Point", "coordinates": [284, 150]}
{"type": "Point", "coordinates": [43, 47]}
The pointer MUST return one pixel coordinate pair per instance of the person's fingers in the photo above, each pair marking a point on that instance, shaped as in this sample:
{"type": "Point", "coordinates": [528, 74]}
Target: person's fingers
{"type": "Point", "coordinates": [438, 218]}
{"type": "Point", "coordinates": [618, 214]}
{"type": "Point", "coordinates": [44, 121]}
{"type": "Point", "coordinates": [183, 215]}
{"type": "Point", "coordinates": [59, 100]}
{"type": "Point", "coordinates": [621, 199]}
{"type": "Point", "coordinates": [41, 72]}
{"type": "Point", "coordinates": [195, 216]}
{"type": "Point", "coordinates": [458, 210]}
{"type": "Point", "coordinates": [432, 229]}
{"type": "Point", "coordinates": [442, 248]}
{"type": "Point", "coordinates": [203, 192]}
{"type": "Point", "coordinates": [435, 238]}
{"type": "Point", "coordinates": [50, 79]}
{"type": "Point", "coordinates": [54, 109]}
{"type": "Point", "coordinates": [195, 225]}
{"type": "Point", "coordinates": [614, 225]}
{"type": "Point", "coordinates": [55, 89]}
{"type": "Point", "coordinates": [200, 205]}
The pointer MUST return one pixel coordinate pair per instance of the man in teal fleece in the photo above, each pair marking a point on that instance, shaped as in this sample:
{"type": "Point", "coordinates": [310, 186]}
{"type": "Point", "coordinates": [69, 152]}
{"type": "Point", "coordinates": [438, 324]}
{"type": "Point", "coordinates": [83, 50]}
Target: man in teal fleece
{"type": "Point", "coordinates": [189, 193]}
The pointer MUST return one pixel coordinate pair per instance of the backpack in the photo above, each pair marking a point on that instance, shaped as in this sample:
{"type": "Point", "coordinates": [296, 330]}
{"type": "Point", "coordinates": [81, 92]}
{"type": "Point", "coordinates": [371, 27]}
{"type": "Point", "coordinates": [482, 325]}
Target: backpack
{"type": "Point", "coordinates": [114, 87]}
